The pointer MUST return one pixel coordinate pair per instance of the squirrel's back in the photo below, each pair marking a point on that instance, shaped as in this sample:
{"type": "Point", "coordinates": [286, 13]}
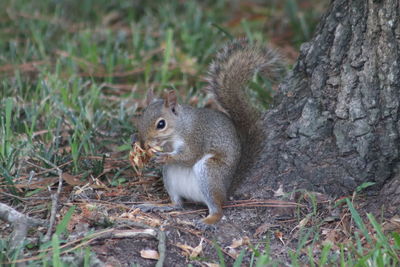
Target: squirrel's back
{"type": "Point", "coordinates": [220, 130]}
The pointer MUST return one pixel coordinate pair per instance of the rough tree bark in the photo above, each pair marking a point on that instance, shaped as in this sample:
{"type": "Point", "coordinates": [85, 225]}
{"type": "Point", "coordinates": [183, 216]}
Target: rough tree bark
{"type": "Point", "coordinates": [336, 122]}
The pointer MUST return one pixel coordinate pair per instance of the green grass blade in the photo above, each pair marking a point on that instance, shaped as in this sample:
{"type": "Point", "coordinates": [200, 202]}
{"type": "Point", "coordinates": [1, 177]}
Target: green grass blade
{"type": "Point", "coordinates": [381, 237]}
{"type": "Point", "coordinates": [364, 186]}
{"type": "Point", "coordinates": [294, 259]}
{"type": "Point", "coordinates": [167, 57]}
{"type": "Point", "coordinates": [86, 262]}
{"type": "Point", "coordinates": [220, 255]}
{"type": "Point", "coordinates": [342, 262]}
{"type": "Point", "coordinates": [357, 219]}
{"type": "Point", "coordinates": [310, 256]}
{"type": "Point", "coordinates": [56, 251]}
{"type": "Point", "coordinates": [224, 31]}
{"type": "Point", "coordinates": [360, 249]}
{"type": "Point", "coordinates": [265, 258]}
{"type": "Point", "coordinates": [62, 226]}
{"type": "Point", "coordinates": [396, 237]}
{"type": "Point", "coordinates": [239, 259]}
{"type": "Point", "coordinates": [324, 254]}
{"type": "Point", "coordinates": [9, 106]}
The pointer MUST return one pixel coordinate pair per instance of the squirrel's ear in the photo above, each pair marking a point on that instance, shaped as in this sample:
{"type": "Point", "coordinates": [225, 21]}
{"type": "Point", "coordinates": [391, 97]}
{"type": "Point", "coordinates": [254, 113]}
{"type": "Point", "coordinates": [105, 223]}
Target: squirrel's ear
{"type": "Point", "coordinates": [149, 96]}
{"type": "Point", "coordinates": [170, 100]}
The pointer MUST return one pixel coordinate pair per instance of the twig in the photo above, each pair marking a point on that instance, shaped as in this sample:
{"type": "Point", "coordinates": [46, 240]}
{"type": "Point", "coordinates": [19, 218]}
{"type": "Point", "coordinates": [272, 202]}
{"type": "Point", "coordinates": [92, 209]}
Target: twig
{"type": "Point", "coordinates": [20, 222]}
{"type": "Point", "coordinates": [24, 199]}
{"type": "Point", "coordinates": [161, 248]}
{"type": "Point", "coordinates": [160, 237]}
{"type": "Point", "coordinates": [39, 173]}
{"type": "Point", "coordinates": [54, 199]}
{"type": "Point", "coordinates": [13, 196]}
{"type": "Point", "coordinates": [89, 238]}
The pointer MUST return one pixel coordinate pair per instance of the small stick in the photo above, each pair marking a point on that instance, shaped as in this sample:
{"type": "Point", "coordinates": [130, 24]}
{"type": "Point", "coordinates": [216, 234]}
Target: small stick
{"type": "Point", "coordinates": [54, 199]}
{"type": "Point", "coordinates": [160, 237]}
{"type": "Point", "coordinates": [21, 223]}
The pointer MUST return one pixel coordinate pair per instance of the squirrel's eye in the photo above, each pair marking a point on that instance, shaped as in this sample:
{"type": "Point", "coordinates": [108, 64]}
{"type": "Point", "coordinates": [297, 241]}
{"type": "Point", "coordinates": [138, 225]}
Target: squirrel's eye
{"type": "Point", "coordinates": [161, 124]}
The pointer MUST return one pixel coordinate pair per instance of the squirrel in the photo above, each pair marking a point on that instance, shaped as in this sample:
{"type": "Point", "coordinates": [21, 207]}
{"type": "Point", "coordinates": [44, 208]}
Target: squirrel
{"type": "Point", "coordinates": [203, 147]}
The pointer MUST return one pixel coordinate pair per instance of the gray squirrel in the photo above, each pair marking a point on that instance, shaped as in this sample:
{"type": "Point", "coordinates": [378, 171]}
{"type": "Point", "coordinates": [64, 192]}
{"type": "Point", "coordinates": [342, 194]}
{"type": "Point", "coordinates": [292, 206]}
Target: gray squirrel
{"type": "Point", "coordinates": [205, 144]}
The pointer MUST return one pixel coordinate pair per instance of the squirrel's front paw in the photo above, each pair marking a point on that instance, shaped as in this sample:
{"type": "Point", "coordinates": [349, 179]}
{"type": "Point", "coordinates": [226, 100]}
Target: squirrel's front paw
{"type": "Point", "coordinates": [162, 158]}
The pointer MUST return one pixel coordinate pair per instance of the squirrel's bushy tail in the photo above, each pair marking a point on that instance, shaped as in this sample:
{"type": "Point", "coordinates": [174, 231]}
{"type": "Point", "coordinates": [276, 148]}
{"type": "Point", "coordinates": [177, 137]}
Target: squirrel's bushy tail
{"type": "Point", "coordinates": [230, 72]}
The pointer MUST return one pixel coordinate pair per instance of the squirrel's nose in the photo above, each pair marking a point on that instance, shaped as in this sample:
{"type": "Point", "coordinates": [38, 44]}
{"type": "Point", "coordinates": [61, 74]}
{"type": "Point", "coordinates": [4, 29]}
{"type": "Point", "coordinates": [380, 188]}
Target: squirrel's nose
{"type": "Point", "coordinates": [134, 138]}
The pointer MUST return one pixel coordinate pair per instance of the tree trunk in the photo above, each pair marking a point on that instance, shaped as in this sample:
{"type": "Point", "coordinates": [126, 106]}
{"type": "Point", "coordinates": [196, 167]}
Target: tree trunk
{"type": "Point", "coordinates": [336, 122]}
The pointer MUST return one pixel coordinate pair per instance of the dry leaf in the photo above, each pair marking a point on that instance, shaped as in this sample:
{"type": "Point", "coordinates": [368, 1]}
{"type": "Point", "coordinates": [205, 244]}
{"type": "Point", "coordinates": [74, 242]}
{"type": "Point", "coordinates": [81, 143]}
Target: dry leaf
{"type": "Point", "coordinates": [279, 192]}
{"type": "Point", "coordinates": [263, 228]}
{"type": "Point", "coordinates": [211, 264]}
{"type": "Point", "coordinates": [393, 224]}
{"type": "Point", "coordinates": [239, 242]}
{"type": "Point", "coordinates": [186, 249]}
{"type": "Point", "coordinates": [43, 183]}
{"type": "Point", "coordinates": [72, 180]}
{"type": "Point", "coordinates": [149, 254]}
{"type": "Point", "coordinates": [331, 236]}
{"type": "Point", "coordinates": [139, 157]}
{"type": "Point", "coordinates": [189, 251]}
{"type": "Point", "coordinates": [233, 253]}
{"type": "Point", "coordinates": [197, 250]}
{"type": "Point", "coordinates": [395, 219]}
{"type": "Point", "coordinates": [304, 222]}
{"type": "Point", "coordinates": [279, 235]}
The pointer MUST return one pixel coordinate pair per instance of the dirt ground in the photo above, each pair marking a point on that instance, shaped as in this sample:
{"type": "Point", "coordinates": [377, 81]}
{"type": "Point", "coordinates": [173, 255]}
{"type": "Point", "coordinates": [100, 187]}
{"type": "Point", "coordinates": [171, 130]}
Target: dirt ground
{"type": "Point", "coordinates": [274, 225]}
{"type": "Point", "coordinates": [247, 224]}
{"type": "Point", "coordinates": [240, 226]}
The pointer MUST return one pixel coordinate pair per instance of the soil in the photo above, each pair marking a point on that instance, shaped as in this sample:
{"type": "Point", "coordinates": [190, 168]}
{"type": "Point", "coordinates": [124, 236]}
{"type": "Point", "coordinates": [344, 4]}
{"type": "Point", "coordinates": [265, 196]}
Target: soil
{"type": "Point", "coordinates": [255, 226]}
{"type": "Point", "coordinates": [275, 223]}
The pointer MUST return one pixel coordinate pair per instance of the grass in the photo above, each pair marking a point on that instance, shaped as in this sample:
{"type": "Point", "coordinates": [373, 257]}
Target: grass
{"type": "Point", "coordinates": [366, 245]}
{"type": "Point", "coordinates": [73, 74]}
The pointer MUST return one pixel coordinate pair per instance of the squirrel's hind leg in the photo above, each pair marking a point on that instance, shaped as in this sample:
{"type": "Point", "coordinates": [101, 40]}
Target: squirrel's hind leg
{"type": "Point", "coordinates": [215, 209]}
{"type": "Point", "coordinates": [211, 176]}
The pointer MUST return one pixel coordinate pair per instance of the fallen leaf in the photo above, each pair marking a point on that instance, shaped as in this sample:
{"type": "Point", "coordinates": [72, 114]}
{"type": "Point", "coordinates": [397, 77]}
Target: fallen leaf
{"type": "Point", "coordinates": [149, 254]}
{"type": "Point", "coordinates": [139, 157]}
{"type": "Point", "coordinates": [189, 251]}
{"type": "Point", "coordinates": [263, 228]}
{"type": "Point", "coordinates": [304, 222]}
{"type": "Point", "coordinates": [233, 252]}
{"type": "Point", "coordinates": [43, 183]}
{"type": "Point", "coordinates": [186, 249]}
{"type": "Point", "coordinates": [72, 180]}
{"type": "Point", "coordinates": [239, 242]}
{"type": "Point", "coordinates": [331, 237]}
{"type": "Point", "coordinates": [393, 224]}
{"type": "Point", "coordinates": [279, 235]}
{"type": "Point", "coordinates": [279, 192]}
{"type": "Point", "coordinates": [197, 250]}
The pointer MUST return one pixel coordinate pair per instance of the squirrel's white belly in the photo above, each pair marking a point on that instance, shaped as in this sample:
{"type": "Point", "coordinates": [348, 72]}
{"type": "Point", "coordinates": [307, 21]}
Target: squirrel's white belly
{"type": "Point", "coordinates": [185, 181]}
